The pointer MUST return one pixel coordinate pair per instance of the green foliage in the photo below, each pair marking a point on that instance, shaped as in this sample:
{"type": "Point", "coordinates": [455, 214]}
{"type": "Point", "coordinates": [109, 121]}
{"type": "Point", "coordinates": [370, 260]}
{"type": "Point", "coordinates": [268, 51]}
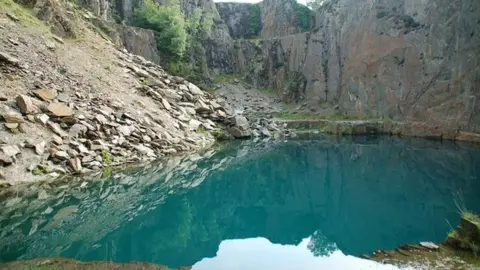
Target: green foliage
{"type": "Point", "coordinates": [40, 170]}
{"type": "Point", "coordinates": [255, 23]}
{"type": "Point", "coordinates": [303, 15]}
{"type": "Point", "coordinates": [223, 78]}
{"type": "Point", "coordinates": [107, 157]}
{"type": "Point", "coordinates": [167, 22]}
{"type": "Point", "coordinates": [107, 173]}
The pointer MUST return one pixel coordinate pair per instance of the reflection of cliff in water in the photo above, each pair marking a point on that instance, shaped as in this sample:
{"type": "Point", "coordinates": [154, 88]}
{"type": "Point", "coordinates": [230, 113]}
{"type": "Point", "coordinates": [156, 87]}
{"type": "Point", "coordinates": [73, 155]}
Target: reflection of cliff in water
{"type": "Point", "coordinates": [356, 195]}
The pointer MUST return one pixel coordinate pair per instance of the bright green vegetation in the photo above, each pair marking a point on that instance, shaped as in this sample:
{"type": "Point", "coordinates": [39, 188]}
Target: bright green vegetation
{"type": "Point", "coordinates": [223, 78]}
{"type": "Point", "coordinates": [40, 170]}
{"type": "Point", "coordinates": [255, 23]}
{"type": "Point", "coordinates": [167, 22]}
{"type": "Point", "coordinates": [266, 90]}
{"type": "Point", "coordinates": [25, 16]}
{"type": "Point", "coordinates": [305, 116]}
{"type": "Point", "coordinates": [472, 217]}
{"type": "Point", "coordinates": [107, 157]}
{"type": "Point", "coordinates": [303, 15]}
{"type": "Point", "coordinates": [179, 39]}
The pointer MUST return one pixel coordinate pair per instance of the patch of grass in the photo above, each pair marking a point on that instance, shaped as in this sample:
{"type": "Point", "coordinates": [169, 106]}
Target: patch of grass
{"type": "Point", "coordinates": [324, 129]}
{"type": "Point", "coordinates": [268, 91]}
{"type": "Point", "coordinates": [107, 172]}
{"type": "Point", "coordinates": [216, 132]}
{"type": "Point", "coordinates": [25, 15]}
{"type": "Point", "coordinates": [289, 107]}
{"type": "Point", "coordinates": [472, 218]}
{"type": "Point", "coordinates": [40, 170]}
{"type": "Point", "coordinates": [107, 157]}
{"type": "Point", "coordinates": [305, 116]}
{"type": "Point", "coordinates": [223, 78]}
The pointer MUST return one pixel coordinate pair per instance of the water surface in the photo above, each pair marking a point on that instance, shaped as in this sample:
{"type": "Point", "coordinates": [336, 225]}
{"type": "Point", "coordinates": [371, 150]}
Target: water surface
{"type": "Point", "coordinates": [316, 204]}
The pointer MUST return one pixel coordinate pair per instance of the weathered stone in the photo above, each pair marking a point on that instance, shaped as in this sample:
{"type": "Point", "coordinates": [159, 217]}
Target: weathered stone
{"type": "Point", "coordinates": [63, 98]}
{"type": "Point", "coordinates": [22, 127]}
{"type": "Point", "coordinates": [12, 17]}
{"type": "Point", "coordinates": [42, 119]}
{"type": "Point", "coordinates": [125, 130]}
{"type": "Point", "coordinates": [61, 155]}
{"type": "Point", "coordinates": [429, 245]}
{"type": "Point", "coordinates": [57, 140]}
{"type": "Point", "coordinates": [195, 90]}
{"type": "Point", "coordinates": [87, 159]}
{"type": "Point", "coordinates": [56, 129]}
{"type": "Point", "coordinates": [57, 39]}
{"type": "Point", "coordinates": [10, 150]}
{"type": "Point", "coordinates": [45, 94]}
{"type": "Point", "coordinates": [77, 130]}
{"type": "Point", "coordinates": [144, 150]}
{"type": "Point", "coordinates": [194, 124]}
{"type": "Point", "coordinates": [97, 145]}
{"type": "Point", "coordinates": [60, 110]}
{"type": "Point", "coordinates": [82, 148]}
{"type": "Point", "coordinates": [101, 118]}
{"type": "Point", "coordinates": [221, 114]}
{"type": "Point", "coordinates": [12, 117]}
{"type": "Point", "coordinates": [12, 125]}
{"type": "Point", "coordinates": [5, 57]}
{"type": "Point", "coordinates": [201, 107]}
{"type": "Point", "coordinates": [265, 132]}
{"type": "Point", "coordinates": [75, 164]}
{"type": "Point", "coordinates": [40, 148]}
{"type": "Point", "coordinates": [25, 104]}
{"type": "Point", "coordinates": [29, 143]}
{"type": "Point", "coordinates": [166, 105]}
{"type": "Point", "coordinates": [5, 160]}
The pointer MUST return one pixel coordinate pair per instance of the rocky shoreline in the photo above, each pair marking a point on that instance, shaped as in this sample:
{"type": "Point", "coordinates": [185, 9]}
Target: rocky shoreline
{"type": "Point", "coordinates": [458, 251]}
{"type": "Point", "coordinates": [76, 106]}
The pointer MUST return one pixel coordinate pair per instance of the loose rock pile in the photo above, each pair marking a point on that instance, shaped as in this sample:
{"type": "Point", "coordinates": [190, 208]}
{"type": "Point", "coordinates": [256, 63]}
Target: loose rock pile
{"type": "Point", "coordinates": [92, 132]}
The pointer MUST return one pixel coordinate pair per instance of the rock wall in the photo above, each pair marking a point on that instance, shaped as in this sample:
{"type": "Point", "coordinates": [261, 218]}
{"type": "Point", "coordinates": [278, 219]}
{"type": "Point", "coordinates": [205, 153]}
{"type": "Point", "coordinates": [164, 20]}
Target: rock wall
{"type": "Point", "coordinates": [406, 60]}
{"type": "Point", "coordinates": [237, 17]}
{"type": "Point", "coordinates": [278, 18]}
{"type": "Point", "coordinates": [138, 41]}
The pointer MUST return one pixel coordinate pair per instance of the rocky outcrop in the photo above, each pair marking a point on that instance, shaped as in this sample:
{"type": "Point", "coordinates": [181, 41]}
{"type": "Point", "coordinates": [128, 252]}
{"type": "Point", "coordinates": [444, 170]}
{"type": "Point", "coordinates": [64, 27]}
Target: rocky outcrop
{"type": "Point", "coordinates": [75, 107]}
{"type": "Point", "coordinates": [239, 18]}
{"type": "Point", "coordinates": [278, 18]}
{"type": "Point", "coordinates": [406, 60]}
{"type": "Point", "coordinates": [138, 41]}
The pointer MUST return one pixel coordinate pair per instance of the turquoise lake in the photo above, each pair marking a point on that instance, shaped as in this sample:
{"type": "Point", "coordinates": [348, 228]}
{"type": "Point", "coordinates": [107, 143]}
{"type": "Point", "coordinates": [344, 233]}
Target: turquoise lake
{"type": "Point", "coordinates": [303, 204]}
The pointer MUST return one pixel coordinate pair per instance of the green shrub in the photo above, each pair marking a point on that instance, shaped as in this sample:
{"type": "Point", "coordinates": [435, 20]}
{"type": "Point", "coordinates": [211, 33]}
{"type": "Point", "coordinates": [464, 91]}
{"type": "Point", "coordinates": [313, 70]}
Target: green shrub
{"type": "Point", "coordinates": [107, 157]}
{"type": "Point", "coordinates": [255, 24]}
{"type": "Point", "coordinates": [167, 22]}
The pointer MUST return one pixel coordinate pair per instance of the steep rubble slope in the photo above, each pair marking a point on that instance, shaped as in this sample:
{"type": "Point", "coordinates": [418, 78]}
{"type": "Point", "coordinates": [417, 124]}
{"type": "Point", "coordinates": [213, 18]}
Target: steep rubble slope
{"type": "Point", "coordinates": [83, 104]}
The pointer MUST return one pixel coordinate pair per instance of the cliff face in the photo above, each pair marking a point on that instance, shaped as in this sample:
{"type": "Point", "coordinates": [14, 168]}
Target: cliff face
{"type": "Point", "coordinates": [406, 60]}
{"type": "Point", "coordinates": [238, 17]}
{"type": "Point", "coordinates": [278, 18]}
